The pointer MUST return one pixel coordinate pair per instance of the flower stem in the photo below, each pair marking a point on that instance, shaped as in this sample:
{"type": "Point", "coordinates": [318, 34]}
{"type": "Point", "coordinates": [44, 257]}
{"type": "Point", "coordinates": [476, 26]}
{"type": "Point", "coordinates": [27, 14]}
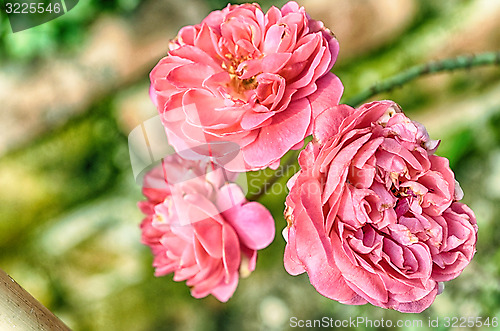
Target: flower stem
{"type": "Point", "coordinates": [459, 62]}
{"type": "Point", "coordinates": [275, 176]}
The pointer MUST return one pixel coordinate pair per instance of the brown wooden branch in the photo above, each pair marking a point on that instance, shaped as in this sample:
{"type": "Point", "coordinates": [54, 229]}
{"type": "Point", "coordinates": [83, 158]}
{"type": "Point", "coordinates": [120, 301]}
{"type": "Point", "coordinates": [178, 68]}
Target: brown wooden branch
{"type": "Point", "coordinates": [21, 311]}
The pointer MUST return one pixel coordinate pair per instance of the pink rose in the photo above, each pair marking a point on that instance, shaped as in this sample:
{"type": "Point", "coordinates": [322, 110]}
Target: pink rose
{"type": "Point", "coordinates": [200, 227]}
{"type": "Point", "coordinates": [243, 76]}
{"type": "Point", "coordinates": [373, 215]}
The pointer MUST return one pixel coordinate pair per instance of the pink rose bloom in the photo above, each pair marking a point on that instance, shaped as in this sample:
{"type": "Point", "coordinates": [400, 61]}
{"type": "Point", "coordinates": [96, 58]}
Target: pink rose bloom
{"type": "Point", "coordinates": [201, 228]}
{"type": "Point", "coordinates": [243, 76]}
{"type": "Point", "coordinates": [373, 214]}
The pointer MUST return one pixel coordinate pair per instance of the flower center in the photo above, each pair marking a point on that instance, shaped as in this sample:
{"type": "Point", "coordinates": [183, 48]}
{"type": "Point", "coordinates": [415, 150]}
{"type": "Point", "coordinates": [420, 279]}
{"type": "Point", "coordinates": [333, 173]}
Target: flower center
{"type": "Point", "coordinates": [238, 86]}
{"type": "Point", "coordinates": [403, 192]}
{"type": "Point", "coordinates": [408, 198]}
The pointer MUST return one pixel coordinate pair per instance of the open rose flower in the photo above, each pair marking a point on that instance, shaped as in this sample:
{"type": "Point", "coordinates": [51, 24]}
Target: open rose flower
{"type": "Point", "coordinates": [200, 227]}
{"type": "Point", "coordinates": [373, 214]}
{"type": "Point", "coordinates": [243, 76]}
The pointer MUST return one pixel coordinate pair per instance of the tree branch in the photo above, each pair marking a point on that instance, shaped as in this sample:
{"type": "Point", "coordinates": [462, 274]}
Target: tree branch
{"type": "Point", "coordinates": [459, 62]}
{"type": "Point", "coordinates": [18, 309]}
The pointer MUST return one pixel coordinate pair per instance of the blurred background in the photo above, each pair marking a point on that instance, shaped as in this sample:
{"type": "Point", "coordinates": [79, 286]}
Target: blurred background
{"type": "Point", "coordinates": [71, 90]}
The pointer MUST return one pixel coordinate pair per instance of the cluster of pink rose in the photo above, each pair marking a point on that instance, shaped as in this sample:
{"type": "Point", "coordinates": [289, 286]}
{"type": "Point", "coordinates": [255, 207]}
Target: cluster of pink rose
{"type": "Point", "coordinates": [373, 215]}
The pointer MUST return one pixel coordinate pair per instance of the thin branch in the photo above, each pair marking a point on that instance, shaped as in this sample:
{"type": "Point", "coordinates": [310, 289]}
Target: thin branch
{"type": "Point", "coordinates": [275, 176]}
{"type": "Point", "coordinates": [459, 62]}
